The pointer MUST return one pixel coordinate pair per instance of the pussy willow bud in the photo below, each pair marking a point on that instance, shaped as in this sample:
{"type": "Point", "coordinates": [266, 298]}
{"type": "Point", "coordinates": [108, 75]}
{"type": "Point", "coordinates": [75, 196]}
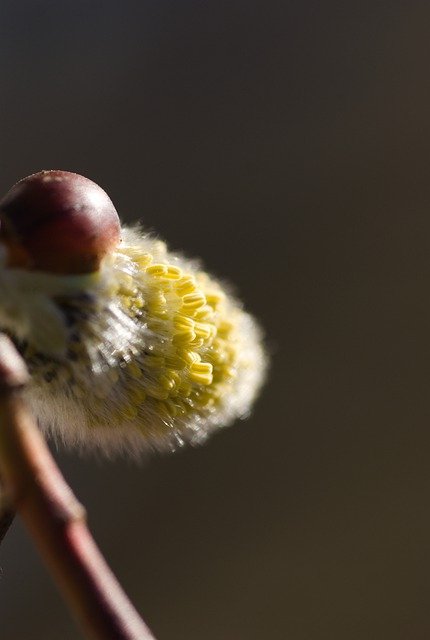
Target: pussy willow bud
{"type": "Point", "coordinates": [129, 345]}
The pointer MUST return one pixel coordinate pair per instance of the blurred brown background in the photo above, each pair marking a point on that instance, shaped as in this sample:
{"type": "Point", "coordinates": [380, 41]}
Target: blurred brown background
{"type": "Point", "coordinates": [287, 143]}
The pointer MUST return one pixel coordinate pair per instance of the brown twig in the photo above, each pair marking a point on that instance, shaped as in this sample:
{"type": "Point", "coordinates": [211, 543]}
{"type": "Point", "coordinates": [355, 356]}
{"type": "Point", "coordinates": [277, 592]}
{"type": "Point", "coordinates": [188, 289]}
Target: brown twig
{"type": "Point", "coordinates": [55, 518]}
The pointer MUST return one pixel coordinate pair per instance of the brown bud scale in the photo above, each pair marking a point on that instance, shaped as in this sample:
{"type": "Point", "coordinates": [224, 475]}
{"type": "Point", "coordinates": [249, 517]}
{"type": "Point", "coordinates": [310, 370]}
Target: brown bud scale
{"type": "Point", "coordinates": [58, 222]}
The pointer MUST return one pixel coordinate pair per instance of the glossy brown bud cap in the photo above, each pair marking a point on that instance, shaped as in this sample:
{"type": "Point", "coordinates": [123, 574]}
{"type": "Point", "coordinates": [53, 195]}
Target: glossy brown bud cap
{"type": "Point", "coordinates": [59, 222]}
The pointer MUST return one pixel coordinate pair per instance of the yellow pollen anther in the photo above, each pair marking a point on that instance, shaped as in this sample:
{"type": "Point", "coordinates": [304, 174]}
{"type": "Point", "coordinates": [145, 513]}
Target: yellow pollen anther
{"type": "Point", "coordinates": [156, 300]}
{"type": "Point", "coordinates": [181, 321]}
{"type": "Point", "coordinates": [201, 378]}
{"type": "Point", "coordinates": [201, 367]}
{"type": "Point", "coordinates": [144, 259]}
{"type": "Point", "coordinates": [157, 270]}
{"type": "Point", "coordinates": [189, 356]}
{"type": "Point", "coordinates": [167, 383]}
{"type": "Point", "coordinates": [175, 377]}
{"type": "Point", "coordinates": [204, 313]}
{"type": "Point", "coordinates": [184, 336]}
{"type": "Point", "coordinates": [203, 330]}
{"type": "Point", "coordinates": [173, 273]}
{"type": "Point", "coordinates": [197, 343]}
{"type": "Point", "coordinates": [194, 300]}
{"type": "Point", "coordinates": [185, 285]}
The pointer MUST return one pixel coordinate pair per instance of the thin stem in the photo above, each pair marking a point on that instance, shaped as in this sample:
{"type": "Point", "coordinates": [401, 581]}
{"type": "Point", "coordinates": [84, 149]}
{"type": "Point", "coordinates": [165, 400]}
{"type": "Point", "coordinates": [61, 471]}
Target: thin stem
{"type": "Point", "coordinates": [55, 518]}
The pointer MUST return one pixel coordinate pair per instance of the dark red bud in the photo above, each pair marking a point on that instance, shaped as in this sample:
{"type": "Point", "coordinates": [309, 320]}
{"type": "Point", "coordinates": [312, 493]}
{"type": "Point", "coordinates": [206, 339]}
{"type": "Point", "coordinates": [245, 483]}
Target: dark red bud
{"type": "Point", "coordinates": [58, 222]}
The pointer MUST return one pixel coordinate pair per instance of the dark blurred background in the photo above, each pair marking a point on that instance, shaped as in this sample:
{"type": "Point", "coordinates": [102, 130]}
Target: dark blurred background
{"type": "Point", "coordinates": [287, 143]}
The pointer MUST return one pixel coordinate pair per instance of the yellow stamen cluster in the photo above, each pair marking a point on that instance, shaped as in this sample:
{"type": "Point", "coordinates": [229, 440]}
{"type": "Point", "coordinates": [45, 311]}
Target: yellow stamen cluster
{"type": "Point", "coordinates": [191, 355]}
{"type": "Point", "coordinates": [162, 351]}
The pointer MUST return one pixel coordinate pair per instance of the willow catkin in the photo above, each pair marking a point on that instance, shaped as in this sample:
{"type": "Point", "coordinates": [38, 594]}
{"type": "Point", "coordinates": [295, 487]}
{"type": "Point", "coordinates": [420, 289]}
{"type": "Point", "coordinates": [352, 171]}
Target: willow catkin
{"type": "Point", "coordinates": [148, 351]}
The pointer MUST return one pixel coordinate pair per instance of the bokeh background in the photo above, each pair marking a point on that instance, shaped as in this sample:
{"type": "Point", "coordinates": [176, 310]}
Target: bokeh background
{"type": "Point", "coordinates": [287, 143]}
